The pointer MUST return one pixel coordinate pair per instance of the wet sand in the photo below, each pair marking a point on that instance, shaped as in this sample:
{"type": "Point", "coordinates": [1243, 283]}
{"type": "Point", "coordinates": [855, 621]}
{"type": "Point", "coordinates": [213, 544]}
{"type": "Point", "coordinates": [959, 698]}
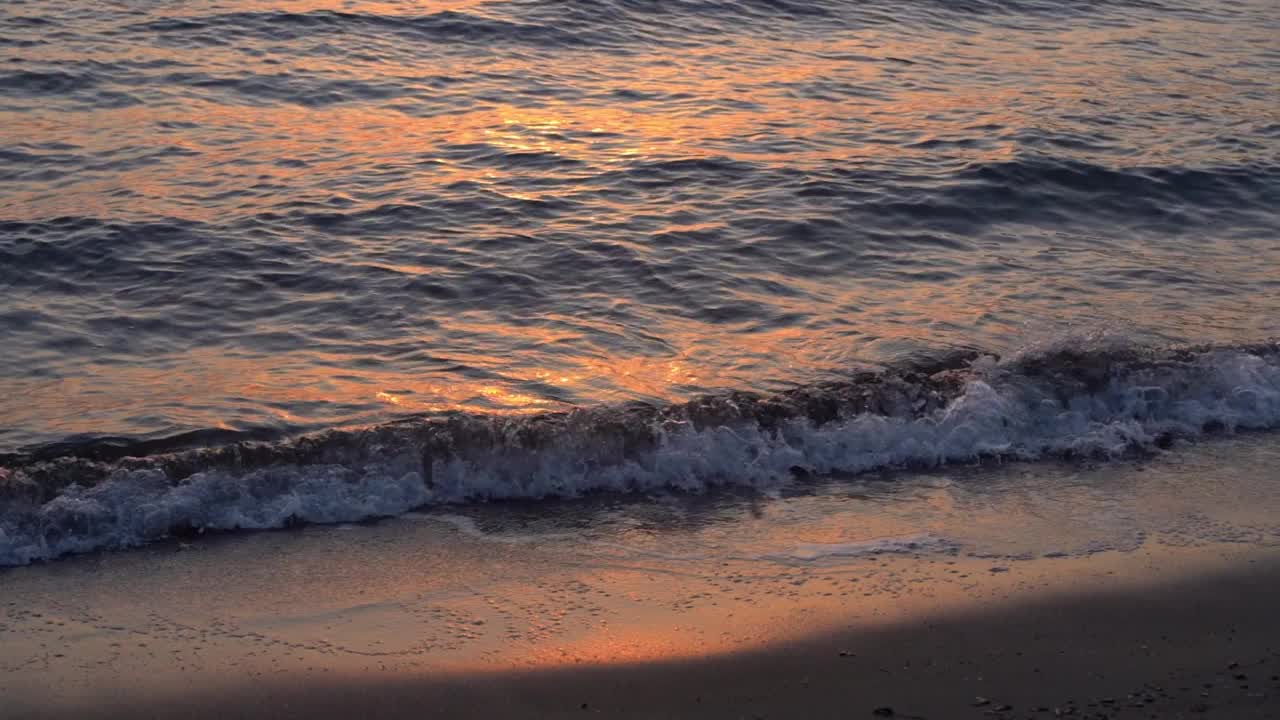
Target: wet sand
{"type": "Point", "coordinates": [1204, 645]}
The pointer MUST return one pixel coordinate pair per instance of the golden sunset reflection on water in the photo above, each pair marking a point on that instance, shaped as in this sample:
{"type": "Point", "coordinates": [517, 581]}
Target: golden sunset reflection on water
{"type": "Point", "coordinates": [475, 208]}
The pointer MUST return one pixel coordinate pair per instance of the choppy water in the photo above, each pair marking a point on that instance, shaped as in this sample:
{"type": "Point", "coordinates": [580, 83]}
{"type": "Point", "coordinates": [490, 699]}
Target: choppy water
{"type": "Point", "coordinates": [277, 217]}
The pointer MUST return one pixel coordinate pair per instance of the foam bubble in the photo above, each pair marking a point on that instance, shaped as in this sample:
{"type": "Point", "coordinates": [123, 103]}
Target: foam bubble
{"type": "Point", "coordinates": [878, 546]}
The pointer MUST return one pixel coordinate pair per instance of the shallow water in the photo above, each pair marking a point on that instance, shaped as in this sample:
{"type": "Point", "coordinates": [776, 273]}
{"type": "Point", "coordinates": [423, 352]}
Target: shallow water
{"type": "Point", "coordinates": [299, 214]}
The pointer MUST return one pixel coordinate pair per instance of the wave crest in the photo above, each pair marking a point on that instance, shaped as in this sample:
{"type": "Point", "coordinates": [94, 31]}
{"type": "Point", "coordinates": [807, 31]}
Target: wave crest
{"type": "Point", "coordinates": [1064, 400]}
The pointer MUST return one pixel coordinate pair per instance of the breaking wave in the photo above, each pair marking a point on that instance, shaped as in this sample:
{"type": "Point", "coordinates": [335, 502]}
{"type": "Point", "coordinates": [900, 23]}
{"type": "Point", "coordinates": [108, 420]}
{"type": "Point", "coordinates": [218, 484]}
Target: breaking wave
{"type": "Point", "coordinates": [1066, 400]}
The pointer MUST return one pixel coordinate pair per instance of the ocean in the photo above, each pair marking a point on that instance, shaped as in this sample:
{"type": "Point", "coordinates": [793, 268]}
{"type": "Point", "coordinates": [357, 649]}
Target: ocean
{"type": "Point", "coordinates": [269, 263]}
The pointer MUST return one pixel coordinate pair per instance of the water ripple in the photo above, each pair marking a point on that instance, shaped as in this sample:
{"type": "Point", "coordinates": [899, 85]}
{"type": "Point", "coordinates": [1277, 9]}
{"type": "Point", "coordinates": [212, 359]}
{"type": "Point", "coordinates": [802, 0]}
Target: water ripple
{"type": "Point", "coordinates": [299, 214]}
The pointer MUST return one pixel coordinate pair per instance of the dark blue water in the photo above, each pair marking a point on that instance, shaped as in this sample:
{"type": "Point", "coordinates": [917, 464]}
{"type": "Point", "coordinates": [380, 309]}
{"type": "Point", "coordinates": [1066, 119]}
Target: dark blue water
{"type": "Point", "coordinates": [239, 219]}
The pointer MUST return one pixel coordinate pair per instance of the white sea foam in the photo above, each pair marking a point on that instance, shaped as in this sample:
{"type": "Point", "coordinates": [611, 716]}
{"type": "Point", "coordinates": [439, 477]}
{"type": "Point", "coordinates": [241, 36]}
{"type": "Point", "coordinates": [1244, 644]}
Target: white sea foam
{"type": "Point", "coordinates": [1002, 411]}
{"type": "Point", "coordinates": [133, 507]}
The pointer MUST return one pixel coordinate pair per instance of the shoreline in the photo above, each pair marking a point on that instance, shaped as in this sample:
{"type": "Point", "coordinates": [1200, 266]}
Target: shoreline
{"type": "Point", "coordinates": [1128, 585]}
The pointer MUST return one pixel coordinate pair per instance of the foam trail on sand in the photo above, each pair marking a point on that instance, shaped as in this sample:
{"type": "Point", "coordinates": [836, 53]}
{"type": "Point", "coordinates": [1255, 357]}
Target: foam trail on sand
{"type": "Point", "coordinates": [815, 552]}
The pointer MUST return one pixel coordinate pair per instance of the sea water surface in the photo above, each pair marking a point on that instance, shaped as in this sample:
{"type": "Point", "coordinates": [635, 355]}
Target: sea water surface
{"type": "Point", "coordinates": [263, 260]}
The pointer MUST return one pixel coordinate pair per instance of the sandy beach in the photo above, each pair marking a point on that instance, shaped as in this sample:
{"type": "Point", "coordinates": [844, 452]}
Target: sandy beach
{"type": "Point", "coordinates": [1164, 648]}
